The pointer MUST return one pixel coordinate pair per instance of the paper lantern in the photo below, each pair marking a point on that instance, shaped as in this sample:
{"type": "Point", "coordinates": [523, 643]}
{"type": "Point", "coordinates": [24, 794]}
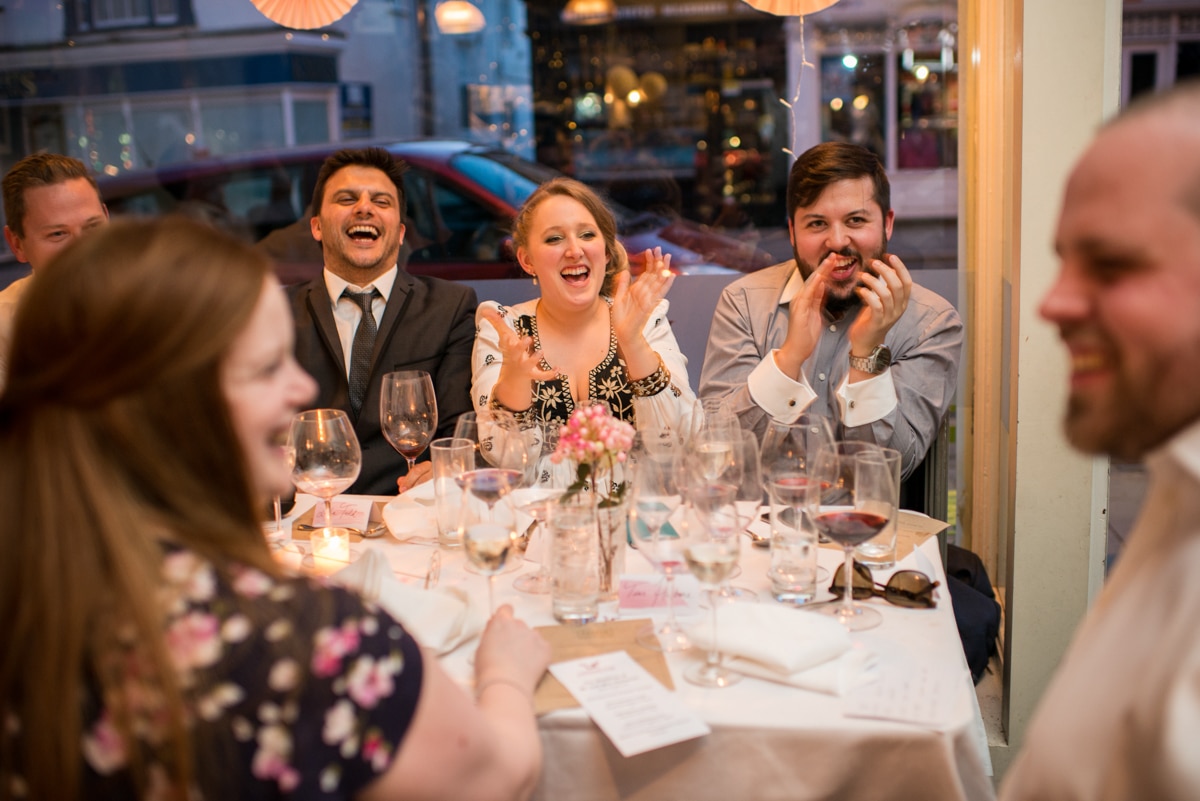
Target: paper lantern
{"type": "Point", "coordinates": [621, 80]}
{"type": "Point", "coordinates": [654, 86]}
{"type": "Point", "coordinates": [589, 12]}
{"type": "Point", "coordinates": [304, 14]}
{"type": "Point", "coordinates": [790, 8]}
{"type": "Point", "coordinates": [458, 16]}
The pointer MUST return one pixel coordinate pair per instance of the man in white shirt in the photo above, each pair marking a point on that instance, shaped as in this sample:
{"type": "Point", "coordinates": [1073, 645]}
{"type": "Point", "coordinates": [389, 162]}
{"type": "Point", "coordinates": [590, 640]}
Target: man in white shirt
{"type": "Point", "coordinates": [841, 330]}
{"type": "Point", "coordinates": [1121, 718]}
{"type": "Point", "coordinates": [49, 201]}
{"type": "Point", "coordinates": [421, 323]}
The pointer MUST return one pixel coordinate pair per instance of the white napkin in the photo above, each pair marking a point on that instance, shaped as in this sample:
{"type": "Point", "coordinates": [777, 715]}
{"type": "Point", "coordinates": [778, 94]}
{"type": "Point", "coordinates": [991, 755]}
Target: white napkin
{"type": "Point", "coordinates": [408, 519]}
{"type": "Point", "coordinates": [422, 494]}
{"type": "Point", "coordinates": [788, 646]}
{"type": "Point", "coordinates": [440, 619]}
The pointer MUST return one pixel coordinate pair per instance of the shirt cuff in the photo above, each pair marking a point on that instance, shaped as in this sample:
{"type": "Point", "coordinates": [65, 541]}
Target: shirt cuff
{"type": "Point", "coordinates": [866, 401]}
{"type": "Point", "coordinates": [776, 394]}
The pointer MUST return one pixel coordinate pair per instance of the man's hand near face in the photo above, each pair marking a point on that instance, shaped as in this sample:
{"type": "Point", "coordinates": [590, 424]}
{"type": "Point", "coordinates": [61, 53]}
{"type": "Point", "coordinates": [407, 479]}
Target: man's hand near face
{"type": "Point", "coordinates": [884, 295]}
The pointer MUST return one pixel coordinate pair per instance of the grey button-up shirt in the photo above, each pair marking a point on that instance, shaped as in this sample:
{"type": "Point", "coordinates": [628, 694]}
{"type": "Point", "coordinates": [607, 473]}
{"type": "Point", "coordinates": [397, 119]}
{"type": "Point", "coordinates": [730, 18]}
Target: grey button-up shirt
{"type": "Point", "coordinates": [901, 409]}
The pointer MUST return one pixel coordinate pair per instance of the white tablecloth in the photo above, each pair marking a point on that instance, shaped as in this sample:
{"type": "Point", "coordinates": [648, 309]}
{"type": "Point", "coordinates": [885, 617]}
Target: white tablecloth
{"type": "Point", "coordinates": [768, 741]}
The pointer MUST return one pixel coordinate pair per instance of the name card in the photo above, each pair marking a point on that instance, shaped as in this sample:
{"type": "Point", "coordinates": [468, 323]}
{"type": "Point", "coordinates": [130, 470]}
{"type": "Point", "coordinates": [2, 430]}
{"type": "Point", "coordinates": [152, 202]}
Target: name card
{"type": "Point", "coordinates": [348, 512]}
{"type": "Point", "coordinates": [635, 712]}
{"type": "Point", "coordinates": [648, 592]}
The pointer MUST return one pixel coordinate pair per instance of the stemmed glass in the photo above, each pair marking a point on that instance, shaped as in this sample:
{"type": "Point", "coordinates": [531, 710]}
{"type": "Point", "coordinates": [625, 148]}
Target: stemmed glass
{"type": "Point", "coordinates": [656, 457]}
{"type": "Point", "coordinates": [326, 461]}
{"type": "Point", "coordinates": [487, 542]}
{"type": "Point", "coordinates": [746, 480]}
{"type": "Point", "coordinates": [541, 493]}
{"type": "Point", "coordinates": [851, 496]}
{"type": "Point", "coordinates": [408, 412]}
{"type": "Point", "coordinates": [711, 558]}
{"type": "Point", "coordinates": [788, 450]}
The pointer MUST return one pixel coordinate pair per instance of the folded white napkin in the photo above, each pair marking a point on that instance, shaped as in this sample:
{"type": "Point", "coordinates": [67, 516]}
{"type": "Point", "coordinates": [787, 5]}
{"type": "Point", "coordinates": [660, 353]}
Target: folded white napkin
{"type": "Point", "coordinates": [422, 494]}
{"type": "Point", "coordinates": [441, 618]}
{"type": "Point", "coordinates": [785, 645]}
{"type": "Point", "coordinates": [408, 519]}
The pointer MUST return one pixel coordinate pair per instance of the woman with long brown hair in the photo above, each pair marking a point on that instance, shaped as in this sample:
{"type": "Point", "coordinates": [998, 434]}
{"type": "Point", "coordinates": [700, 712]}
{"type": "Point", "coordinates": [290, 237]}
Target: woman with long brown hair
{"type": "Point", "coordinates": [149, 645]}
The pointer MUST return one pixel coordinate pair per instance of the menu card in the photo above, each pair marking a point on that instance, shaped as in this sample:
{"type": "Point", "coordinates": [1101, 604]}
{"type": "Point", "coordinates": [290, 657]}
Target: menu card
{"type": "Point", "coordinates": [633, 710]}
{"type": "Point", "coordinates": [572, 642]}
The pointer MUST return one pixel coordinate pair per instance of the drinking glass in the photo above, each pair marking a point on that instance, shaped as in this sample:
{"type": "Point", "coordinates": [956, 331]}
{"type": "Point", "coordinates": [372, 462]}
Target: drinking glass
{"type": "Point", "coordinates": [488, 543]}
{"type": "Point", "coordinates": [747, 501]}
{"type": "Point", "coordinates": [408, 412]}
{"type": "Point", "coordinates": [788, 450]}
{"type": "Point", "coordinates": [327, 460]}
{"type": "Point", "coordinates": [851, 497]}
{"type": "Point", "coordinates": [711, 556]}
{"type": "Point", "coordinates": [545, 487]}
{"type": "Point", "coordinates": [656, 457]}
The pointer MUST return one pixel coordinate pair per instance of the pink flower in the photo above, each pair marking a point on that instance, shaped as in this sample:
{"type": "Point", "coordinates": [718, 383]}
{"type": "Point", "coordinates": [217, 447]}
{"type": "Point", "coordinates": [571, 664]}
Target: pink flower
{"type": "Point", "coordinates": [251, 583]}
{"type": "Point", "coordinates": [194, 640]}
{"type": "Point", "coordinates": [103, 747]}
{"type": "Point", "coordinates": [369, 681]}
{"type": "Point", "coordinates": [330, 645]}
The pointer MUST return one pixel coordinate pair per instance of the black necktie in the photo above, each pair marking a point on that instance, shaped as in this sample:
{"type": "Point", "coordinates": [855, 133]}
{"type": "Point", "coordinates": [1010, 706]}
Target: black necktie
{"type": "Point", "coordinates": [360, 350]}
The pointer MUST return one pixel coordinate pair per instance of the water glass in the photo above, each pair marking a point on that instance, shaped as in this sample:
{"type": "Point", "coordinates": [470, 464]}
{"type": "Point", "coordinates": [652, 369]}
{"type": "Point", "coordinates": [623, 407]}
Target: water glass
{"type": "Point", "coordinates": [879, 552]}
{"type": "Point", "coordinates": [450, 458]}
{"type": "Point", "coordinates": [574, 560]}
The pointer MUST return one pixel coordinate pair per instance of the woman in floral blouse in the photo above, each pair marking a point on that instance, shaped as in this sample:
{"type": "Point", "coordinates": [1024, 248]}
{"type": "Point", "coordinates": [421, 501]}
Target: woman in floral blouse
{"type": "Point", "coordinates": [149, 645]}
{"type": "Point", "coordinates": [592, 334]}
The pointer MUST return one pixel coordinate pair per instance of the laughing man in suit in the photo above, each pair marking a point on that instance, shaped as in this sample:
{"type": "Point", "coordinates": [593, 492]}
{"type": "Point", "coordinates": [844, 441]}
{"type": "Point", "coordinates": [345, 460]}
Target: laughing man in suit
{"type": "Point", "coordinates": [423, 323]}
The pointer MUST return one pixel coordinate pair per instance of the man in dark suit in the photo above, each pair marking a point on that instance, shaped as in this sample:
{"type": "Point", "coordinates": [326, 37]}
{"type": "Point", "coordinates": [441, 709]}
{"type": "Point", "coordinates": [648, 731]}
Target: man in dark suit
{"type": "Point", "coordinates": [411, 322]}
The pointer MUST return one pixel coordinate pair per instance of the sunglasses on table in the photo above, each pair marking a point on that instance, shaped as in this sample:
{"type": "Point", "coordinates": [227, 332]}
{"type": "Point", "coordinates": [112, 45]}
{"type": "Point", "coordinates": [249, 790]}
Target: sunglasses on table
{"type": "Point", "coordinates": [908, 588]}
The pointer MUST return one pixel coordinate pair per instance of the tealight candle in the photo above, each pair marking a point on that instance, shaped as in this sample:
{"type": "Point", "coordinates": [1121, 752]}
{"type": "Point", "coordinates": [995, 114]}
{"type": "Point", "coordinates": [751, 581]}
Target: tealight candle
{"type": "Point", "coordinates": [332, 543]}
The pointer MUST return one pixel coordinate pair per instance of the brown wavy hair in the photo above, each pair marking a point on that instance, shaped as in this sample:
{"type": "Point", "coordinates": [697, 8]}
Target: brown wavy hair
{"type": "Point", "coordinates": [616, 259]}
{"type": "Point", "coordinates": [116, 438]}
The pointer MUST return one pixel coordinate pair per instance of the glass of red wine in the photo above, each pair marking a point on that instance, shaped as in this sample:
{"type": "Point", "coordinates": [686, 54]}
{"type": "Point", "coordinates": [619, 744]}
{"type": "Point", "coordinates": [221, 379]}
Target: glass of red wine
{"type": "Point", "coordinates": [852, 498]}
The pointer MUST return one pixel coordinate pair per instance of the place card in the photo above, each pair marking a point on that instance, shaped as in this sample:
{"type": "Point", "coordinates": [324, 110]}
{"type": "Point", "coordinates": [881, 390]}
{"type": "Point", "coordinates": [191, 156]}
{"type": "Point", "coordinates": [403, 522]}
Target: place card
{"type": "Point", "coordinates": [913, 692]}
{"type": "Point", "coordinates": [633, 710]}
{"type": "Point", "coordinates": [647, 592]}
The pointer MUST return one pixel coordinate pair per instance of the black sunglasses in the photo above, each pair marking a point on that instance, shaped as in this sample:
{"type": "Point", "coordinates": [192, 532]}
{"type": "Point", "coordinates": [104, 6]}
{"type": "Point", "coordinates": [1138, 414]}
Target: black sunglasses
{"type": "Point", "coordinates": [908, 588]}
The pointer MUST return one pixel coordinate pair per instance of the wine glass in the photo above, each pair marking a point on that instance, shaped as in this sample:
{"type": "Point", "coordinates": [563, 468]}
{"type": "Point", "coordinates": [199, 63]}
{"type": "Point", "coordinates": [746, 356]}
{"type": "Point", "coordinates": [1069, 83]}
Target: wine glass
{"type": "Point", "coordinates": [747, 500]}
{"type": "Point", "coordinates": [543, 489]}
{"type": "Point", "coordinates": [408, 412]}
{"type": "Point", "coordinates": [711, 556]}
{"type": "Point", "coordinates": [656, 457]}
{"type": "Point", "coordinates": [851, 496]}
{"type": "Point", "coordinates": [487, 542]}
{"type": "Point", "coordinates": [326, 461]}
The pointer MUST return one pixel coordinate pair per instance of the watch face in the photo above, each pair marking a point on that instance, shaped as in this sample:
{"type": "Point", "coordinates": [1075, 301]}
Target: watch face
{"type": "Point", "coordinates": [881, 357]}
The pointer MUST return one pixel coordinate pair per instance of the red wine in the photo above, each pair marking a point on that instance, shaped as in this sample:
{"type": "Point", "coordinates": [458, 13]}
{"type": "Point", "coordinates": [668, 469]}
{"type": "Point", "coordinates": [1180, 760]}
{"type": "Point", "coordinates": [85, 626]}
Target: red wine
{"type": "Point", "coordinates": [850, 527]}
{"type": "Point", "coordinates": [790, 490]}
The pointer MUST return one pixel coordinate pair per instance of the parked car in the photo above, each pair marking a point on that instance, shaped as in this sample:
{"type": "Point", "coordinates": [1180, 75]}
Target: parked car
{"type": "Point", "coordinates": [461, 202]}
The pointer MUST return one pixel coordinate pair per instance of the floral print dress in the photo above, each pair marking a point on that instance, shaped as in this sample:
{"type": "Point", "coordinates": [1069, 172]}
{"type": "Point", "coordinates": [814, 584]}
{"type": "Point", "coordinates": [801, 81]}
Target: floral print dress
{"type": "Point", "coordinates": [306, 690]}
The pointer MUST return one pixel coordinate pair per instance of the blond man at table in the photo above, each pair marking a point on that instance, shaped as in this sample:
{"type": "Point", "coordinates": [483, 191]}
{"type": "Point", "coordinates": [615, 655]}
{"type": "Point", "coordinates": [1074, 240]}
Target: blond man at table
{"type": "Point", "coordinates": [1121, 719]}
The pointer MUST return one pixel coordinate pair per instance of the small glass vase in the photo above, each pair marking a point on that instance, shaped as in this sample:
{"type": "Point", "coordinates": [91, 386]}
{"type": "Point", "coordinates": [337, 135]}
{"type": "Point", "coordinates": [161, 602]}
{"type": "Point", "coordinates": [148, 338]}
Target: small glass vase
{"type": "Point", "coordinates": [611, 528]}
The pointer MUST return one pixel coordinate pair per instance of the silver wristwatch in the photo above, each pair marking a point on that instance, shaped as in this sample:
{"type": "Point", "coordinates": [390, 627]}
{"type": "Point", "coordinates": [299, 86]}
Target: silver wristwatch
{"type": "Point", "coordinates": [874, 364]}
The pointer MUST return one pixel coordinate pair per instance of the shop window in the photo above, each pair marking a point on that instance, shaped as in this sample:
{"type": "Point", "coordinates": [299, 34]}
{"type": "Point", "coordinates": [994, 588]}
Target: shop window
{"type": "Point", "coordinates": [852, 100]}
{"type": "Point", "coordinates": [927, 108]}
{"type": "Point", "coordinates": [94, 15]}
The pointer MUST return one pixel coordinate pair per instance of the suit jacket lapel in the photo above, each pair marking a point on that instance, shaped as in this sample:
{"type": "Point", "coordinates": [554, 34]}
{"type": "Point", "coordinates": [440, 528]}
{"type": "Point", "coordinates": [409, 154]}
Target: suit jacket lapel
{"type": "Point", "coordinates": [321, 310]}
{"type": "Point", "coordinates": [402, 291]}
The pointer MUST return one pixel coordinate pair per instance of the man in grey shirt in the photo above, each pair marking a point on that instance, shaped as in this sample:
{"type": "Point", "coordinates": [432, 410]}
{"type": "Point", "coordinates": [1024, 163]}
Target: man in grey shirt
{"type": "Point", "coordinates": [841, 330]}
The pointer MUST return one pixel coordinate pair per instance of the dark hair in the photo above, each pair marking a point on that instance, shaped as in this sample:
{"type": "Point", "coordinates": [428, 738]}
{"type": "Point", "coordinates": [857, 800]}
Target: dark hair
{"type": "Point", "coordinates": [114, 391]}
{"type": "Point", "coordinates": [828, 163]}
{"type": "Point", "coordinates": [40, 169]}
{"type": "Point", "coordinates": [614, 251]}
{"type": "Point", "coordinates": [375, 157]}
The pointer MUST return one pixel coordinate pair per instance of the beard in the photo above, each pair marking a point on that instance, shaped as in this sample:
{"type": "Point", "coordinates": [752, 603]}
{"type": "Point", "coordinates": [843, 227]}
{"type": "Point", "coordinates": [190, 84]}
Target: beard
{"type": "Point", "coordinates": [841, 298]}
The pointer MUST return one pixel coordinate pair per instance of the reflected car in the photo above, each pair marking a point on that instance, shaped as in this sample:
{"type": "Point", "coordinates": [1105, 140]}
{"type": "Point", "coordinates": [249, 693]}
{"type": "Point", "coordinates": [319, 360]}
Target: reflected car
{"type": "Point", "coordinates": [462, 199]}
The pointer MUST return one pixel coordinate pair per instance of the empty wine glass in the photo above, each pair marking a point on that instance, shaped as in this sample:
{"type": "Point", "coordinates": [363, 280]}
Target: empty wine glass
{"type": "Point", "coordinates": [545, 486]}
{"type": "Point", "coordinates": [656, 456]}
{"type": "Point", "coordinates": [327, 461]}
{"type": "Point", "coordinates": [851, 496]}
{"type": "Point", "coordinates": [408, 412]}
{"type": "Point", "coordinates": [711, 556]}
{"type": "Point", "coordinates": [747, 500]}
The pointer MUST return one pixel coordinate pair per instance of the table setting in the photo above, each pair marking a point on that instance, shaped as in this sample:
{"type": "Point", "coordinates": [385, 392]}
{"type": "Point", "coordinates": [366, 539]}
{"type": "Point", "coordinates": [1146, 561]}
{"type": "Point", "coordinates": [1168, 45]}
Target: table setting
{"type": "Point", "coordinates": [778, 694]}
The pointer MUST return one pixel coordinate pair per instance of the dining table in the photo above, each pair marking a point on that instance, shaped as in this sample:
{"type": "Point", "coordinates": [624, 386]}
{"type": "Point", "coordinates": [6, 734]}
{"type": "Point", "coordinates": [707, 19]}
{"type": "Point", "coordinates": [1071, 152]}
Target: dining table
{"type": "Point", "coordinates": [911, 730]}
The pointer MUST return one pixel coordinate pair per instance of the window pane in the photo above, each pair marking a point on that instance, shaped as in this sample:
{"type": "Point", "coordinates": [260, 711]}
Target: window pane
{"type": "Point", "coordinates": [852, 107]}
{"type": "Point", "coordinates": [241, 126]}
{"type": "Point", "coordinates": [1143, 69]}
{"type": "Point", "coordinates": [161, 136]}
{"type": "Point", "coordinates": [312, 121]}
{"type": "Point", "coordinates": [120, 12]}
{"type": "Point", "coordinates": [927, 134]}
{"type": "Point", "coordinates": [106, 139]}
{"type": "Point", "coordinates": [1188, 63]}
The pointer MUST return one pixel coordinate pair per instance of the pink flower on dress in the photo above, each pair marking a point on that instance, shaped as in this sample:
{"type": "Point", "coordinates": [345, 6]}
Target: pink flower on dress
{"type": "Point", "coordinates": [103, 747]}
{"type": "Point", "coordinates": [340, 723]}
{"type": "Point", "coordinates": [194, 640]}
{"type": "Point", "coordinates": [191, 574]}
{"type": "Point", "coordinates": [376, 751]}
{"type": "Point", "coordinates": [330, 645]}
{"type": "Point", "coordinates": [271, 759]}
{"type": "Point", "coordinates": [251, 583]}
{"type": "Point", "coordinates": [369, 681]}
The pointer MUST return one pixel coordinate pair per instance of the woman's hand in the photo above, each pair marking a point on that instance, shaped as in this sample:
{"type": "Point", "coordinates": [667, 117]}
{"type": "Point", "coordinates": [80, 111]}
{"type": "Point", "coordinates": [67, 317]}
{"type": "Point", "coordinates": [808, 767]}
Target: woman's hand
{"type": "Point", "coordinates": [520, 363]}
{"type": "Point", "coordinates": [633, 303]}
{"type": "Point", "coordinates": [510, 653]}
